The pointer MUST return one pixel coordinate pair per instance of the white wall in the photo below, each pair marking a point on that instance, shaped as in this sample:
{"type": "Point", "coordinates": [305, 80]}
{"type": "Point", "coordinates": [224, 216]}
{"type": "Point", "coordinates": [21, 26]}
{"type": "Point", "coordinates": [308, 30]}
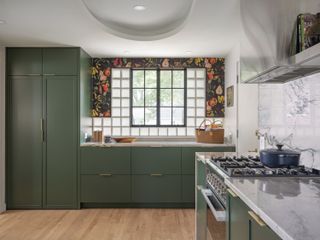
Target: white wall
{"type": "Point", "coordinates": [230, 121]}
{"type": "Point", "coordinates": [2, 129]}
{"type": "Point", "coordinates": [243, 116]}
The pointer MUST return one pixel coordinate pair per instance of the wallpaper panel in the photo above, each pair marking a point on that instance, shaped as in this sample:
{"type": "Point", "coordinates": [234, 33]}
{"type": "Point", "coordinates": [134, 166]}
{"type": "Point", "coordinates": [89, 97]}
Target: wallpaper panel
{"type": "Point", "coordinates": [101, 79]}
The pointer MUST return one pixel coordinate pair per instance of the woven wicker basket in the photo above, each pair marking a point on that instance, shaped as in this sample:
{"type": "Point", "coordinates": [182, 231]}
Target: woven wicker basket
{"type": "Point", "coordinates": [212, 135]}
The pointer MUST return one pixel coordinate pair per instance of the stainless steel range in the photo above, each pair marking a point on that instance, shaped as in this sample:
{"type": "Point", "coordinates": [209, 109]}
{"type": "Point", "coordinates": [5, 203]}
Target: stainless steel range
{"type": "Point", "coordinates": [247, 166]}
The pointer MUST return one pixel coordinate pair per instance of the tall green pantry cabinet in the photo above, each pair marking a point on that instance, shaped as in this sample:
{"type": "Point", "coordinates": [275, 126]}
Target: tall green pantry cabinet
{"type": "Point", "coordinates": [43, 123]}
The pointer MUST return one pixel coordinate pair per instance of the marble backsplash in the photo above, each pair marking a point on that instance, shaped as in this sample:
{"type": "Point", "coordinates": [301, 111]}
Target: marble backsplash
{"type": "Point", "coordinates": [290, 114]}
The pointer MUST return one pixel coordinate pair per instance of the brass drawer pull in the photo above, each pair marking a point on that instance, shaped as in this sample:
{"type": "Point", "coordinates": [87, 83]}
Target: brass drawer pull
{"type": "Point", "coordinates": [232, 193]}
{"type": "Point", "coordinates": [257, 219]}
{"type": "Point", "coordinates": [105, 175]}
{"type": "Point", "coordinates": [156, 175]}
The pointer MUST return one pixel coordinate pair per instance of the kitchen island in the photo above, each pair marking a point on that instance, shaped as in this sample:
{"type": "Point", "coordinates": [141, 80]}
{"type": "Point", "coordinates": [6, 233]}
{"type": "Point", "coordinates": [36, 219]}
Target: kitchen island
{"type": "Point", "coordinates": [289, 206]}
{"type": "Point", "coordinates": [267, 208]}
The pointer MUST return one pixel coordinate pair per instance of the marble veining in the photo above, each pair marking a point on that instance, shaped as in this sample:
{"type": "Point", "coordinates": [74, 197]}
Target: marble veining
{"type": "Point", "coordinates": [289, 206]}
{"type": "Point", "coordinates": [289, 114]}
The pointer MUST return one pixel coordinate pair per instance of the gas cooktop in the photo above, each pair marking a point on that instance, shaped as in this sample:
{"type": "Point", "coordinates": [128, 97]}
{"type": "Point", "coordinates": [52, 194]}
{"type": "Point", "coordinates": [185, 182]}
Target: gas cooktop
{"type": "Point", "coordinates": [250, 166]}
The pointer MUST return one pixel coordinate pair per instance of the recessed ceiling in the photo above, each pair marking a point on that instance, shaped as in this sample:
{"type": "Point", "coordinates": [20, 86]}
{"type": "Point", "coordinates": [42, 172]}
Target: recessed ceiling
{"type": "Point", "coordinates": [141, 20]}
{"type": "Point", "coordinates": [172, 28]}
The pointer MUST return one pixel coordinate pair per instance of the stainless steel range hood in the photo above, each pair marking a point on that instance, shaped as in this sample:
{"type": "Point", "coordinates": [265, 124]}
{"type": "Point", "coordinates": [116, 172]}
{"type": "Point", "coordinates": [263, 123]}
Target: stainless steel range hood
{"type": "Point", "coordinates": [267, 28]}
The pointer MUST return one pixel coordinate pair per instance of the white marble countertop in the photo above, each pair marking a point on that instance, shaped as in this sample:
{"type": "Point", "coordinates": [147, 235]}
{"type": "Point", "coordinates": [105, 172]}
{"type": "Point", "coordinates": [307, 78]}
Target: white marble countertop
{"type": "Point", "coordinates": [289, 206]}
{"type": "Point", "coordinates": [157, 144]}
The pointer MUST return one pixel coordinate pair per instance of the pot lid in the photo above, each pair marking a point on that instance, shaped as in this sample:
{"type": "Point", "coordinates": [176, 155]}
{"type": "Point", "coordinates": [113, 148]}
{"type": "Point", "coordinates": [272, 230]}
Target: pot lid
{"type": "Point", "coordinates": [279, 150]}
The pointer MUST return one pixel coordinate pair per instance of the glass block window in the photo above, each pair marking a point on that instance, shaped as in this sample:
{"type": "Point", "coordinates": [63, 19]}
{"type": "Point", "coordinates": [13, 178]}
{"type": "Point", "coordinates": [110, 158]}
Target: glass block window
{"type": "Point", "coordinates": [158, 98]}
{"type": "Point", "coordinates": [167, 85]}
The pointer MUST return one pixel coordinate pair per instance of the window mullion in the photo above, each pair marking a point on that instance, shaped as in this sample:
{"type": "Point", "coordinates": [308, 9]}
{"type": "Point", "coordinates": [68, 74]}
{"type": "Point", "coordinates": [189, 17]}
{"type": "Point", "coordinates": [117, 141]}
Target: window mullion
{"type": "Point", "coordinates": [144, 97]}
{"type": "Point", "coordinates": [158, 97]}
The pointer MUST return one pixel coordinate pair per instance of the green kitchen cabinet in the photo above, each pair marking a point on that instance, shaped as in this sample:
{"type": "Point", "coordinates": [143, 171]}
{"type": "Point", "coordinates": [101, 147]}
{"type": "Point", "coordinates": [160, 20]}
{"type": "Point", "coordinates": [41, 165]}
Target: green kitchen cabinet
{"type": "Point", "coordinates": [43, 127]}
{"type": "Point", "coordinates": [156, 188]}
{"type": "Point", "coordinates": [243, 223]}
{"type": "Point", "coordinates": [238, 218]}
{"type": "Point", "coordinates": [201, 204]}
{"type": "Point", "coordinates": [156, 160]}
{"type": "Point", "coordinates": [62, 141]}
{"type": "Point", "coordinates": [24, 142]}
{"type": "Point", "coordinates": [114, 160]}
{"type": "Point", "coordinates": [105, 188]}
{"type": "Point", "coordinates": [258, 230]}
{"type": "Point", "coordinates": [24, 61]}
{"type": "Point", "coordinates": [188, 188]}
{"type": "Point", "coordinates": [61, 61]}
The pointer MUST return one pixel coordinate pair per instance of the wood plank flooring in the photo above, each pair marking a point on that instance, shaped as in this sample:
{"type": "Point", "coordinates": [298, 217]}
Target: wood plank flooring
{"type": "Point", "coordinates": [98, 224]}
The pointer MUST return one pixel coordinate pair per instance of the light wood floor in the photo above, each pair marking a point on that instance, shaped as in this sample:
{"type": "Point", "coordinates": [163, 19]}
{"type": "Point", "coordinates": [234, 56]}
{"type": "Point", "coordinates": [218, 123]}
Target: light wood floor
{"type": "Point", "coordinates": [98, 224]}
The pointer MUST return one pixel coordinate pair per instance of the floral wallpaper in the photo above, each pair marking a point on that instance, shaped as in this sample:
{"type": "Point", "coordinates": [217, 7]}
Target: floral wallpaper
{"type": "Point", "coordinates": [101, 77]}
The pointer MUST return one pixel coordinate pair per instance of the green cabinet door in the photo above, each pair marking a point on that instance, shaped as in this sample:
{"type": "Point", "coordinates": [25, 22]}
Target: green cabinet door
{"type": "Point", "coordinates": [156, 189]}
{"type": "Point", "coordinates": [238, 218]}
{"type": "Point", "coordinates": [188, 188]}
{"type": "Point", "coordinates": [24, 61]}
{"type": "Point", "coordinates": [115, 160]}
{"type": "Point", "coordinates": [61, 61]}
{"type": "Point", "coordinates": [24, 157]}
{"type": "Point", "coordinates": [201, 216]}
{"type": "Point", "coordinates": [62, 142]}
{"type": "Point", "coordinates": [163, 160]}
{"type": "Point", "coordinates": [259, 230]}
{"type": "Point", "coordinates": [105, 188]}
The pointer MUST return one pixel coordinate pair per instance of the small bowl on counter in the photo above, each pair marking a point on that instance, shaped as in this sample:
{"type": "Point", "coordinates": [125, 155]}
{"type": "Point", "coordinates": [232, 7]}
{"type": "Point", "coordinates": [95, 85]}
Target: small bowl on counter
{"type": "Point", "coordinates": [124, 139]}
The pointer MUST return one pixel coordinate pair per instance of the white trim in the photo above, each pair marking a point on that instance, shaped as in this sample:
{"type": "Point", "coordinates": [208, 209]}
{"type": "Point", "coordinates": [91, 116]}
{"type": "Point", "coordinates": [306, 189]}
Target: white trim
{"type": "Point", "coordinates": [2, 130]}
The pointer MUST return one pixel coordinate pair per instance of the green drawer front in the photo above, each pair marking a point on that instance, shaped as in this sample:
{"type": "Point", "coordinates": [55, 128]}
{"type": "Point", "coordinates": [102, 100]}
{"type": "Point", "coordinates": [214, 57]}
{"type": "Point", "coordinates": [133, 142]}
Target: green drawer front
{"type": "Point", "coordinates": [164, 160]}
{"type": "Point", "coordinates": [188, 188]}
{"type": "Point", "coordinates": [95, 160]}
{"type": "Point", "coordinates": [24, 61]}
{"type": "Point", "coordinates": [61, 61]}
{"type": "Point", "coordinates": [105, 189]}
{"type": "Point", "coordinates": [157, 189]}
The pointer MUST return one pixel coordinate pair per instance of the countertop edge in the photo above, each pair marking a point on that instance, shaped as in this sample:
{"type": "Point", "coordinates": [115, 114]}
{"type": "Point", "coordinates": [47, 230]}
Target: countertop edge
{"type": "Point", "coordinates": [157, 144]}
{"type": "Point", "coordinates": [271, 223]}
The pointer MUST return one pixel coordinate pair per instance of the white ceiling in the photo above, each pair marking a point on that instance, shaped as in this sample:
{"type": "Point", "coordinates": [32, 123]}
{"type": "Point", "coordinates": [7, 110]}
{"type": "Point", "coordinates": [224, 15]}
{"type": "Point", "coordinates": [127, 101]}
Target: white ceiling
{"type": "Point", "coordinates": [166, 28]}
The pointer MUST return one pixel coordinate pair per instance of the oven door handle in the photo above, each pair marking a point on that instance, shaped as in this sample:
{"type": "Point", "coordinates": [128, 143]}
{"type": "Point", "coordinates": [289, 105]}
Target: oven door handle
{"type": "Point", "coordinates": [219, 215]}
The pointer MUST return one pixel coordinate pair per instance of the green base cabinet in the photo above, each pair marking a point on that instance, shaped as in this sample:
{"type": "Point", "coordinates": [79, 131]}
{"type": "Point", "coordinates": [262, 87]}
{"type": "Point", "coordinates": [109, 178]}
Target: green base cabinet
{"type": "Point", "coordinates": [238, 218]}
{"type": "Point", "coordinates": [156, 188]}
{"type": "Point", "coordinates": [159, 176]}
{"type": "Point", "coordinates": [105, 188]}
{"type": "Point", "coordinates": [243, 223]}
{"type": "Point", "coordinates": [159, 160]}
{"type": "Point", "coordinates": [97, 160]}
{"type": "Point", "coordinates": [188, 188]}
{"type": "Point", "coordinates": [258, 230]}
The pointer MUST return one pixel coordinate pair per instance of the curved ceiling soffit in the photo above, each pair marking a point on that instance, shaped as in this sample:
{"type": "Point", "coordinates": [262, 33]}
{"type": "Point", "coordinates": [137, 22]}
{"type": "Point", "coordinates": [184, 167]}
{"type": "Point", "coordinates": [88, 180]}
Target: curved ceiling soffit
{"type": "Point", "coordinates": [156, 31]}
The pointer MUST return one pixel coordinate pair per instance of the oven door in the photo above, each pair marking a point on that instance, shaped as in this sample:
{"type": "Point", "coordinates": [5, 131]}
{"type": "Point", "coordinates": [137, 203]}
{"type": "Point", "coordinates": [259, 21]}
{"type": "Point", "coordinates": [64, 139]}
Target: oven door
{"type": "Point", "coordinates": [216, 216]}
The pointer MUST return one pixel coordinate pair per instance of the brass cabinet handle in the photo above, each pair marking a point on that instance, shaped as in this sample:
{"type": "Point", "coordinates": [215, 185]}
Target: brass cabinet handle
{"type": "Point", "coordinates": [105, 175]}
{"type": "Point", "coordinates": [232, 193]}
{"type": "Point", "coordinates": [156, 175]}
{"type": "Point", "coordinates": [257, 219]}
{"type": "Point", "coordinates": [34, 74]}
